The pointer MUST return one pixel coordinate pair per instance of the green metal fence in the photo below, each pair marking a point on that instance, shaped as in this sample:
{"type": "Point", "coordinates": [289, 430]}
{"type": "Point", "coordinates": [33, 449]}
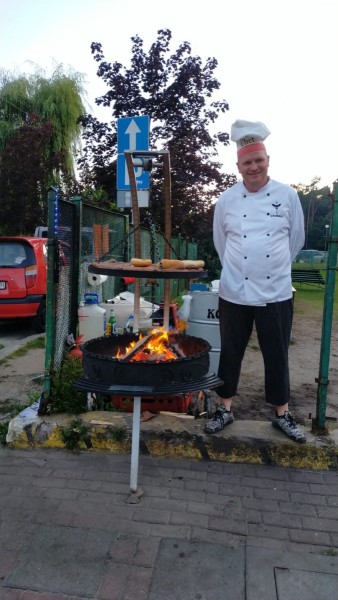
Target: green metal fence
{"type": "Point", "coordinates": [79, 234]}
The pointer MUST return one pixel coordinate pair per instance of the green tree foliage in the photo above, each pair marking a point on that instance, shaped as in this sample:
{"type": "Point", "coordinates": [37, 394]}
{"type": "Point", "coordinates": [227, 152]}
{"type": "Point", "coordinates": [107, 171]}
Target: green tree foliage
{"type": "Point", "coordinates": [176, 91]}
{"type": "Point", "coordinates": [39, 137]}
{"type": "Point", "coordinates": [317, 206]}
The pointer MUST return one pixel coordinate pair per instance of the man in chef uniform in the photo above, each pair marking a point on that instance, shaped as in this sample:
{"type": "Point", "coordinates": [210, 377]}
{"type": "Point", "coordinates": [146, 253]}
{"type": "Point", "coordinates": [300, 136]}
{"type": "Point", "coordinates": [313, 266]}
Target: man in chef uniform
{"type": "Point", "coordinates": [258, 231]}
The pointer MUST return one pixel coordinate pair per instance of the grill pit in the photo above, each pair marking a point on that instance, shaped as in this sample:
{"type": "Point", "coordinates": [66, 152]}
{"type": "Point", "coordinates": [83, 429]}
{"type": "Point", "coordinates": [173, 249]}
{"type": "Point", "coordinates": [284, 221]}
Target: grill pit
{"type": "Point", "coordinates": [100, 362]}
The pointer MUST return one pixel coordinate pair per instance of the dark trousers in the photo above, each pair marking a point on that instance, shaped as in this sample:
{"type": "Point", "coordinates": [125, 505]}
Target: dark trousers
{"type": "Point", "coordinates": [273, 324]}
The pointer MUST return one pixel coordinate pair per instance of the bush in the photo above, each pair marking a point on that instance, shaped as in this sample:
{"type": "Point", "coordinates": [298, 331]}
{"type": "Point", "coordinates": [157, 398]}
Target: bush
{"type": "Point", "coordinates": [64, 396]}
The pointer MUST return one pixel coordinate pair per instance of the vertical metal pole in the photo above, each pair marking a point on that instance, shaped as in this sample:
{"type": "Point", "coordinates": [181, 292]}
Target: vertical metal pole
{"type": "Point", "coordinates": [52, 266]}
{"type": "Point", "coordinates": [135, 440]}
{"type": "Point", "coordinates": [167, 231]}
{"type": "Point", "coordinates": [135, 444]}
{"type": "Point", "coordinates": [323, 381]}
{"type": "Point", "coordinates": [137, 236]}
{"type": "Point", "coordinates": [75, 294]}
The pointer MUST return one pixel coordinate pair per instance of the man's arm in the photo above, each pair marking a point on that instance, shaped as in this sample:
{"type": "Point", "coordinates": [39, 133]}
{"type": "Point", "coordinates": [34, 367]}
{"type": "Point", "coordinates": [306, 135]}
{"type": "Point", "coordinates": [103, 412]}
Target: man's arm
{"type": "Point", "coordinates": [297, 232]}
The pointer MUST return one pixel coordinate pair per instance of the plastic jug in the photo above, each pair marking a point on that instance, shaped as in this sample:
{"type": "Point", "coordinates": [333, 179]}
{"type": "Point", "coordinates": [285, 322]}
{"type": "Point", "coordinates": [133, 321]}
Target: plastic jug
{"type": "Point", "coordinates": [92, 318]}
{"type": "Point", "coordinates": [184, 310]}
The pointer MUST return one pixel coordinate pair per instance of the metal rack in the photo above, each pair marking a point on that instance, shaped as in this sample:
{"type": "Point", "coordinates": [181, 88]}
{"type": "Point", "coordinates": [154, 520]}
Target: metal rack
{"type": "Point", "coordinates": [211, 381]}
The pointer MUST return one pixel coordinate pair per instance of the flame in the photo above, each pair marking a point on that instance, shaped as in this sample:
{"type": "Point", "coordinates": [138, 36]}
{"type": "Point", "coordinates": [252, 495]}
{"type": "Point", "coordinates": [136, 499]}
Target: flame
{"type": "Point", "coordinates": [120, 354]}
{"type": "Point", "coordinates": [155, 350]}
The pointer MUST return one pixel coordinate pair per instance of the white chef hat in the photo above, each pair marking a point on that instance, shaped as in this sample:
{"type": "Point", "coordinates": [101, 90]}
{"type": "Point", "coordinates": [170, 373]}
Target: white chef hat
{"type": "Point", "coordinates": [248, 135]}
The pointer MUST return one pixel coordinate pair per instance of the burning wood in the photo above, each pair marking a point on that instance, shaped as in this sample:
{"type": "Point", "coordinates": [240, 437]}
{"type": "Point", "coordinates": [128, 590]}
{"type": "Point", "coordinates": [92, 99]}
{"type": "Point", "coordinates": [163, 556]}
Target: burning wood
{"type": "Point", "coordinates": [154, 347]}
{"type": "Point", "coordinates": [178, 350]}
{"type": "Point", "coordinates": [136, 347]}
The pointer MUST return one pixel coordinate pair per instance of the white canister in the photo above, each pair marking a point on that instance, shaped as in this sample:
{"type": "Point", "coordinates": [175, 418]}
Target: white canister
{"type": "Point", "coordinates": [203, 322]}
{"type": "Point", "coordinates": [92, 318]}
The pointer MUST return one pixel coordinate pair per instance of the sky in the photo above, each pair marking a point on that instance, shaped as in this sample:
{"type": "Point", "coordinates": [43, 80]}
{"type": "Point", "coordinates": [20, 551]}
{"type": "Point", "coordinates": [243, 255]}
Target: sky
{"type": "Point", "coordinates": [277, 62]}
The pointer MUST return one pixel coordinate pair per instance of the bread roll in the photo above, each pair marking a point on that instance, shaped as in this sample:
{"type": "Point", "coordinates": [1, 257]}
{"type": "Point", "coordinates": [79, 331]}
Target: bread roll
{"type": "Point", "coordinates": [141, 262]}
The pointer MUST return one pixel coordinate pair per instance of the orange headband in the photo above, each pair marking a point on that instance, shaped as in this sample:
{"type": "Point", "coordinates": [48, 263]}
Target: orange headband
{"type": "Point", "coordinates": [250, 148]}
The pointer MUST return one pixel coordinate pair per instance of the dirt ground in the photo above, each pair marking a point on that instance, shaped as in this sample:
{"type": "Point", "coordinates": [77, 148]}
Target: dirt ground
{"type": "Point", "coordinates": [19, 377]}
{"type": "Point", "coordinates": [304, 360]}
{"type": "Point", "coordinates": [20, 380]}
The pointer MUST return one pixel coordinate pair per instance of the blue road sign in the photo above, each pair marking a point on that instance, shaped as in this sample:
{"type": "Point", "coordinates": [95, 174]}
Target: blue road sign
{"type": "Point", "coordinates": [132, 134]}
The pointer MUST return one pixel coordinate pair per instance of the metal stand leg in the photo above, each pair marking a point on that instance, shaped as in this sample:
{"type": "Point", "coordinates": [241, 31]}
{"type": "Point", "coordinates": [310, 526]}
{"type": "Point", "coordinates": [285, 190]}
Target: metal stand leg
{"type": "Point", "coordinates": [135, 443]}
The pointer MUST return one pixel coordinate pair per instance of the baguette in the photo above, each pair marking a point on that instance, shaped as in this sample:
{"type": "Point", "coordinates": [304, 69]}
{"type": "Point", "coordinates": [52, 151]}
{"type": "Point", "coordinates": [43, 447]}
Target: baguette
{"type": "Point", "coordinates": [168, 263]}
{"type": "Point", "coordinates": [193, 264]}
{"type": "Point", "coordinates": [140, 262]}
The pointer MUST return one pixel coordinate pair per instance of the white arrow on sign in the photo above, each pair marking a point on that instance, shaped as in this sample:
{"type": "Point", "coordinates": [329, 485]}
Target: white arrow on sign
{"type": "Point", "coordinates": [132, 130]}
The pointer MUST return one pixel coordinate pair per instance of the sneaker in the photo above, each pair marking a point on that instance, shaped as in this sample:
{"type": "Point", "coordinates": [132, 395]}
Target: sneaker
{"type": "Point", "coordinates": [288, 425]}
{"type": "Point", "coordinates": [219, 420]}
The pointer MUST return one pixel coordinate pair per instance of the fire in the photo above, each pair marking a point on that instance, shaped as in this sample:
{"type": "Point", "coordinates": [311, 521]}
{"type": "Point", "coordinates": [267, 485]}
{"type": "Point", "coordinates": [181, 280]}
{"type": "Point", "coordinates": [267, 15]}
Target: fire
{"type": "Point", "coordinates": [153, 347]}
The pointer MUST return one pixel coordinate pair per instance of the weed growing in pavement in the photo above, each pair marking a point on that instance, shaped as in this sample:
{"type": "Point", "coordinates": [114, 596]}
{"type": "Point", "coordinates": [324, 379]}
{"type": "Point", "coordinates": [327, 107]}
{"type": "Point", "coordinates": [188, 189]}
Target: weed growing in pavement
{"type": "Point", "coordinates": [3, 432]}
{"type": "Point", "coordinates": [117, 434]}
{"type": "Point", "coordinates": [330, 552]}
{"type": "Point", "coordinates": [74, 433]}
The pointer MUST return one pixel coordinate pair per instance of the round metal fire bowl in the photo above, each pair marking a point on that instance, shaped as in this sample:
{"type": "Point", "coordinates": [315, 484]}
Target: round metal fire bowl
{"type": "Point", "coordinates": [99, 363]}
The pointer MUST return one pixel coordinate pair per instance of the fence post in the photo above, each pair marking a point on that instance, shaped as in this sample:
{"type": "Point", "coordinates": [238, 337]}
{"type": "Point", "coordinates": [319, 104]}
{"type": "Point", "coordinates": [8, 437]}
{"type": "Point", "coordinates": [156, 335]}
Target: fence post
{"type": "Point", "coordinates": [52, 275]}
{"type": "Point", "coordinates": [77, 241]}
{"type": "Point", "coordinates": [323, 381]}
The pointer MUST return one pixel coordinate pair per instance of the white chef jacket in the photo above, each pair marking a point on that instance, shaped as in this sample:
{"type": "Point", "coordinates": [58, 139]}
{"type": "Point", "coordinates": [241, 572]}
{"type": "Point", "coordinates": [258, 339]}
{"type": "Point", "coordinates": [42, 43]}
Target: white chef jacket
{"type": "Point", "coordinates": [257, 235]}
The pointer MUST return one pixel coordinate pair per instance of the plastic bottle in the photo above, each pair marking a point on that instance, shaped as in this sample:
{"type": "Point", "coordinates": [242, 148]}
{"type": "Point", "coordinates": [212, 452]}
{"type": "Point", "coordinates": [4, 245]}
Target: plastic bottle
{"type": "Point", "coordinates": [130, 324]}
{"type": "Point", "coordinates": [184, 311]}
{"type": "Point", "coordinates": [92, 318]}
{"type": "Point", "coordinates": [112, 323]}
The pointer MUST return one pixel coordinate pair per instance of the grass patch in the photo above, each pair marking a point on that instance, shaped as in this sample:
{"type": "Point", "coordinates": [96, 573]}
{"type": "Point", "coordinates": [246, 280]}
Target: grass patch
{"type": "Point", "coordinates": [31, 345]}
{"type": "Point", "coordinates": [39, 342]}
{"type": "Point", "coordinates": [309, 298]}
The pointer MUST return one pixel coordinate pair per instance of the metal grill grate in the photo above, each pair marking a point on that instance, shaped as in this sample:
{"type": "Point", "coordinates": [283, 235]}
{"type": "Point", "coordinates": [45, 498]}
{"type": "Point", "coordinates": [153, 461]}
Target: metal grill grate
{"type": "Point", "coordinates": [207, 382]}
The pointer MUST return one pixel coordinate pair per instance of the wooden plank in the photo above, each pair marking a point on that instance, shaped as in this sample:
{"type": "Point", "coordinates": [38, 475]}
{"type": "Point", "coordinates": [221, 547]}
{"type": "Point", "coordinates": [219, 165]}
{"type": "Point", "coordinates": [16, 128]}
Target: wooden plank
{"type": "Point", "coordinates": [139, 344]}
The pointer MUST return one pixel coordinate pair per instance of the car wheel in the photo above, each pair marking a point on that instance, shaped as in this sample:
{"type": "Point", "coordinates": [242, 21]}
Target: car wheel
{"type": "Point", "coordinates": [39, 321]}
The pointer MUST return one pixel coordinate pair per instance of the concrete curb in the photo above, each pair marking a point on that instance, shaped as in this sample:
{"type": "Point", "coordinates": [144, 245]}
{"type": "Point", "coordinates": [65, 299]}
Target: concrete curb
{"type": "Point", "coordinates": [176, 436]}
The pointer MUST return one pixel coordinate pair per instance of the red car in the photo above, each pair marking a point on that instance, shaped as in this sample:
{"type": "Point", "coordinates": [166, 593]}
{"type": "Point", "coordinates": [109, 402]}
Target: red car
{"type": "Point", "coordinates": [23, 279]}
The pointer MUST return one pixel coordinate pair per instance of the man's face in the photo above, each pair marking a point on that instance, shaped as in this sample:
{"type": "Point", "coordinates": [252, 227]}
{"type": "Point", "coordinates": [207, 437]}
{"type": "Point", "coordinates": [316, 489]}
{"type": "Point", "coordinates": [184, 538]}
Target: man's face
{"type": "Point", "coordinates": [253, 166]}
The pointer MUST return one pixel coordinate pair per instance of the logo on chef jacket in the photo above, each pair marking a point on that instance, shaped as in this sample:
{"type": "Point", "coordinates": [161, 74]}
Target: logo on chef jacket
{"type": "Point", "coordinates": [277, 213]}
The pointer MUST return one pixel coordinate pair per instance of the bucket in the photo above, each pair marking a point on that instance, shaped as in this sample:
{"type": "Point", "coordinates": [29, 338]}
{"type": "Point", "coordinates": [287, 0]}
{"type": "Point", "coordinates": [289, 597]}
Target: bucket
{"type": "Point", "coordinates": [92, 318]}
{"type": "Point", "coordinates": [203, 322]}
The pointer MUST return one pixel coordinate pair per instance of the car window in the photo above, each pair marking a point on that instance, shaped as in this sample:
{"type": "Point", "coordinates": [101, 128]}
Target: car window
{"type": "Point", "coordinates": [16, 254]}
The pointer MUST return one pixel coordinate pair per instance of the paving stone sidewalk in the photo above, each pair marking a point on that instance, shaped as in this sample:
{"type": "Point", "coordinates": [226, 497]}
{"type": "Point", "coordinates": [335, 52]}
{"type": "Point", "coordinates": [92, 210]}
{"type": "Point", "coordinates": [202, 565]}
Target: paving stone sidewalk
{"type": "Point", "coordinates": [197, 530]}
